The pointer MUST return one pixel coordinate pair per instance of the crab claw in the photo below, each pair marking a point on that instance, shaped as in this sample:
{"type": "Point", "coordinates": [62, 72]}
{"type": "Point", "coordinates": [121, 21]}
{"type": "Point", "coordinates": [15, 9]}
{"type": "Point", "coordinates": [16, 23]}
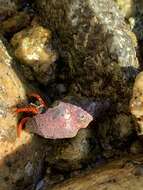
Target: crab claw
{"type": "Point", "coordinates": [21, 125]}
{"type": "Point", "coordinates": [38, 97]}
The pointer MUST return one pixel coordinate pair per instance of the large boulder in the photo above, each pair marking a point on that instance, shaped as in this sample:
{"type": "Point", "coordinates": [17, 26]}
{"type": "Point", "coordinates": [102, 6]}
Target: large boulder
{"type": "Point", "coordinates": [95, 44]}
{"type": "Point", "coordinates": [119, 174]}
{"type": "Point", "coordinates": [12, 92]}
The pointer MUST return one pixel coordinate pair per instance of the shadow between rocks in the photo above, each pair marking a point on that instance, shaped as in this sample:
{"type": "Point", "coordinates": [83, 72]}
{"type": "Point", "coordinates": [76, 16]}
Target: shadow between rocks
{"type": "Point", "coordinates": [24, 167]}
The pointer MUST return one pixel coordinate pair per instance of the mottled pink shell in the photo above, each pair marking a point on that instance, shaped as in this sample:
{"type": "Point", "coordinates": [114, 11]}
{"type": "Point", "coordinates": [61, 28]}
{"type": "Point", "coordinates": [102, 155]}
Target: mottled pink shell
{"type": "Point", "coordinates": [61, 121]}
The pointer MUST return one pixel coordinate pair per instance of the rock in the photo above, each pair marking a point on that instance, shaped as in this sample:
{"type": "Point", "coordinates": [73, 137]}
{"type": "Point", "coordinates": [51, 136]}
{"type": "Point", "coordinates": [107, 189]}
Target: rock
{"type": "Point", "coordinates": [136, 147]}
{"type": "Point", "coordinates": [29, 169]}
{"type": "Point", "coordinates": [11, 7]}
{"type": "Point", "coordinates": [15, 23]}
{"type": "Point", "coordinates": [13, 89]}
{"type": "Point", "coordinates": [51, 179]}
{"type": "Point", "coordinates": [71, 154]}
{"type": "Point", "coordinates": [7, 8]}
{"type": "Point", "coordinates": [23, 4]}
{"type": "Point", "coordinates": [136, 103]}
{"type": "Point", "coordinates": [40, 185]}
{"type": "Point", "coordinates": [33, 48]}
{"type": "Point", "coordinates": [61, 89]}
{"type": "Point", "coordinates": [139, 170]}
{"type": "Point", "coordinates": [116, 134]}
{"type": "Point", "coordinates": [127, 7]}
{"type": "Point", "coordinates": [20, 159]}
{"type": "Point", "coordinates": [96, 48]}
{"type": "Point", "coordinates": [133, 12]}
{"type": "Point", "coordinates": [136, 18]}
{"type": "Point", "coordinates": [124, 126]}
{"type": "Point", "coordinates": [126, 173]}
{"type": "Point", "coordinates": [21, 162]}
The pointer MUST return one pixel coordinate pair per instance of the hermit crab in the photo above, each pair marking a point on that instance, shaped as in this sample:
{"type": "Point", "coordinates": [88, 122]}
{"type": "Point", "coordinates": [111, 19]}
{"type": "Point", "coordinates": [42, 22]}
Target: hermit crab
{"type": "Point", "coordinates": [61, 121]}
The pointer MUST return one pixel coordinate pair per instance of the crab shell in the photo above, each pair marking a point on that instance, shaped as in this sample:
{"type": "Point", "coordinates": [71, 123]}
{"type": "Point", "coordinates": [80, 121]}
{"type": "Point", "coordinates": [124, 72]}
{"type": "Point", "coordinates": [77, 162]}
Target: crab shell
{"type": "Point", "coordinates": [61, 121]}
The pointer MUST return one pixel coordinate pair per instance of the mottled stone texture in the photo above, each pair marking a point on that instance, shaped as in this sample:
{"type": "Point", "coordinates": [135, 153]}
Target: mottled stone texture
{"type": "Point", "coordinates": [133, 11]}
{"type": "Point", "coordinates": [33, 48]}
{"type": "Point", "coordinates": [136, 103]}
{"type": "Point", "coordinates": [99, 60]}
{"type": "Point", "coordinates": [127, 7]}
{"type": "Point", "coordinates": [74, 153]}
{"type": "Point", "coordinates": [95, 45]}
{"type": "Point", "coordinates": [117, 175]}
{"type": "Point", "coordinates": [13, 89]}
{"type": "Point", "coordinates": [7, 8]}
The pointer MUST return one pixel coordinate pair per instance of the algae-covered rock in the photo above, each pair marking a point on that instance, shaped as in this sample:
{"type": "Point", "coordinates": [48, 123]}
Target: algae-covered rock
{"type": "Point", "coordinates": [11, 7]}
{"type": "Point", "coordinates": [138, 19]}
{"type": "Point", "coordinates": [14, 23]}
{"type": "Point", "coordinates": [124, 126]}
{"type": "Point", "coordinates": [33, 48]}
{"type": "Point", "coordinates": [127, 7]}
{"type": "Point", "coordinates": [72, 153]}
{"type": "Point", "coordinates": [98, 59]}
{"type": "Point", "coordinates": [136, 147]}
{"type": "Point", "coordinates": [7, 8]}
{"type": "Point", "coordinates": [115, 134]}
{"type": "Point", "coordinates": [95, 45]}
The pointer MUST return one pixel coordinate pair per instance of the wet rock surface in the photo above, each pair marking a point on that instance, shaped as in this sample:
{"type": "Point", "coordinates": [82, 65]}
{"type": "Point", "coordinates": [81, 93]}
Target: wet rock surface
{"type": "Point", "coordinates": [91, 44]}
{"type": "Point", "coordinates": [136, 147]}
{"type": "Point", "coordinates": [7, 8]}
{"type": "Point", "coordinates": [137, 102]}
{"type": "Point", "coordinates": [12, 92]}
{"type": "Point", "coordinates": [121, 175]}
{"type": "Point", "coordinates": [127, 7]}
{"type": "Point", "coordinates": [71, 154]}
{"type": "Point", "coordinates": [21, 163]}
{"type": "Point", "coordinates": [33, 48]}
{"type": "Point", "coordinates": [133, 11]}
{"type": "Point", "coordinates": [15, 23]}
{"type": "Point", "coordinates": [20, 159]}
{"type": "Point", "coordinates": [95, 70]}
{"type": "Point", "coordinates": [115, 133]}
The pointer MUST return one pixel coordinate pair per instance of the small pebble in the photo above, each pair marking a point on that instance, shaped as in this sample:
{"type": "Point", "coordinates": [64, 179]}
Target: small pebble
{"type": "Point", "coordinates": [139, 170]}
{"type": "Point", "coordinates": [136, 148]}
{"type": "Point", "coordinates": [40, 185]}
{"type": "Point", "coordinates": [29, 169]}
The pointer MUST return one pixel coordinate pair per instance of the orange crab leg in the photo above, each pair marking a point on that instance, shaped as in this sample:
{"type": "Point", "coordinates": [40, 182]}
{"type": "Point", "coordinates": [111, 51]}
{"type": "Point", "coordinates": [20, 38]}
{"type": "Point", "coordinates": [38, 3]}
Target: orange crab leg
{"type": "Point", "coordinates": [38, 97]}
{"type": "Point", "coordinates": [20, 125]}
{"type": "Point", "coordinates": [28, 109]}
